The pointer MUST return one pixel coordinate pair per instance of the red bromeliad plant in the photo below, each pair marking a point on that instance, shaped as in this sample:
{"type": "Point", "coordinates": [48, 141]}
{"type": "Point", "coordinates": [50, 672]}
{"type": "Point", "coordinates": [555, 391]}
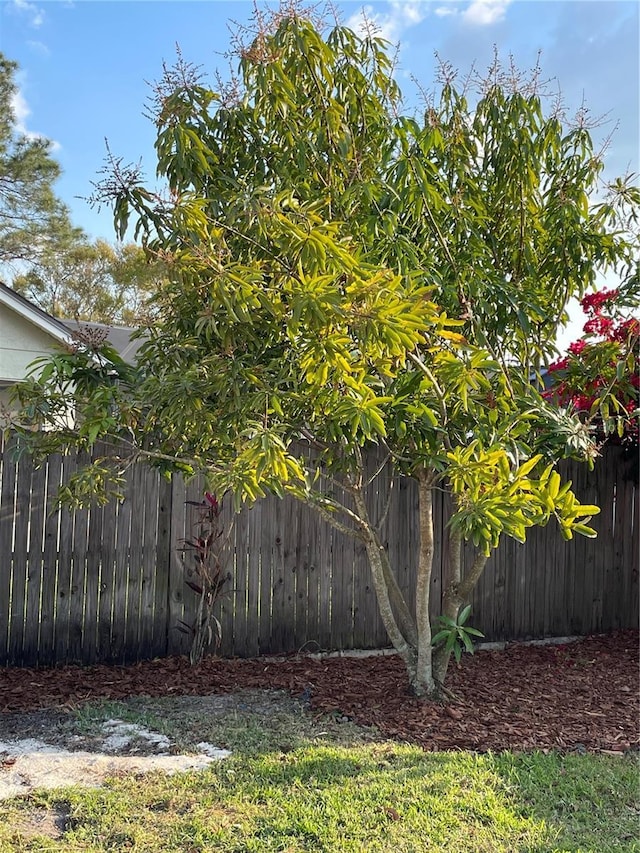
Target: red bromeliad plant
{"type": "Point", "coordinates": [599, 376]}
{"type": "Point", "coordinates": [206, 575]}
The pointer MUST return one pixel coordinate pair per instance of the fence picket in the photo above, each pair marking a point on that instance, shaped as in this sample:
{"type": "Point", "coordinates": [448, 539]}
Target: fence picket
{"type": "Point", "coordinates": [7, 524]}
{"type": "Point", "coordinates": [50, 562]}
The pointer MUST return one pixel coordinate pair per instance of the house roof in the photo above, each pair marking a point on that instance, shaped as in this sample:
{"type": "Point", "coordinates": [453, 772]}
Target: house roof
{"type": "Point", "coordinates": [62, 330]}
{"type": "Point", "coordinates": [27, 309]}
{"type": "Point", "coordinates": [118, 336]}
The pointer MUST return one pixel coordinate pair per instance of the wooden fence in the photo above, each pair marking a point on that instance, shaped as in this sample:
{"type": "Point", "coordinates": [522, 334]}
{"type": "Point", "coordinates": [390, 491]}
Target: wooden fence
{"type": "Point", "coordinates": [108, 583]}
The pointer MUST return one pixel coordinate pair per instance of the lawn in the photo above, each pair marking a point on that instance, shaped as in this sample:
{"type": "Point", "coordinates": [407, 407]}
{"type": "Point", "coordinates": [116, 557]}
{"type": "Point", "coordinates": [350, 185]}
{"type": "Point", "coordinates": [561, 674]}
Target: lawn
{"type": "Point", "coordinates": [299, 781]}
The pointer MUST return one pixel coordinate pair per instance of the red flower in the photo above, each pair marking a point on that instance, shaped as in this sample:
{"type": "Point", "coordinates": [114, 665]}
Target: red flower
{"type": "Point", "coordinates": [626, 330]}
{"type": "Point", "coordinates": [598, 325]}
{"type": "Point", "coordinates": [577, 346]}
{"type": "Point", "coordinates": [593, 302]}
{"type": "Point", "coordinates": [582, 402]}
{"type": "Point", "coordinates": [561, 364]}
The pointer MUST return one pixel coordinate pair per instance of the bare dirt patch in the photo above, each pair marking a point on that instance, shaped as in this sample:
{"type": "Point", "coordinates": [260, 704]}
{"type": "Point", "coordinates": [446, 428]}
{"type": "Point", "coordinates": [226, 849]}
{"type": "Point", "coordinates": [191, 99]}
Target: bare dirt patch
{"type": "Point", "coordinates": [49, 822]}
{"type": "Point", "coordinates": [51, 749]}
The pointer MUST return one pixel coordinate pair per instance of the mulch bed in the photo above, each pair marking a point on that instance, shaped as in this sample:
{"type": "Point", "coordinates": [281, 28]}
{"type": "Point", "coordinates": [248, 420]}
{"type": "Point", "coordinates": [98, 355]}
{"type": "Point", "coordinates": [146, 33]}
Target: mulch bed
{"type": "Point", "coordinates": [581, 696]}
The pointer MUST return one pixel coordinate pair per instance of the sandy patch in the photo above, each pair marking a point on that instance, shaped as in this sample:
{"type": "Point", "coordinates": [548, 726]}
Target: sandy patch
{"type": "Point", "coordinates": [32, 763]}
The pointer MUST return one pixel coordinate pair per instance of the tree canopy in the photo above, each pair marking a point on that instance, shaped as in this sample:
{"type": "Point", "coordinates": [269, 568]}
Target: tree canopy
{"type": "Point", "coordinates": [93, 281]}
{"type": "Point", "coordinates": [347, 275]}
{"type": "Point", "coordinates": [30, 212]}
{"type": "Point", "coordinates": [46, 257]}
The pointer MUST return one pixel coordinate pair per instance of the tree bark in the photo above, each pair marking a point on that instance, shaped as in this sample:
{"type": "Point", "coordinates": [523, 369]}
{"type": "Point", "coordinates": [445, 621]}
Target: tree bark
{"type": "Point", "coordinates": [377, 557]}
{"type": "Point", "coordinates": [405, 619]}
{"type": "Point", "coordinates": [424, 684]}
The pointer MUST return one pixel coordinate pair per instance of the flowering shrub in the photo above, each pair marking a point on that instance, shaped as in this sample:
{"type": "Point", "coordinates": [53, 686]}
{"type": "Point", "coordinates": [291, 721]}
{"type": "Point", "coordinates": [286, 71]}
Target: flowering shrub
{"type": "Point", "coordinates": [599, 376]}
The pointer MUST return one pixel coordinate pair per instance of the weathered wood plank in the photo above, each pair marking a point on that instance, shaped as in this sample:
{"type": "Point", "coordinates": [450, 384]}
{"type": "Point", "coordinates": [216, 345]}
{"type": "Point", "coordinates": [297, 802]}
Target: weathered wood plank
{"type": "Point", "coordinates": [162, 567]}
{"type": "Point", "coordinates": [177, 641]}
{"type": "Point", "coordinates": [64, 573]}
{"type": "Point", "coordinates": [439, 533]}
{"type": "Point", "coordinates": [106, 613]}
{"type": "Point", "coordinates": [92, 585]}
{"type": "Point", "coordinates": [193, 498]}
{"type": "Point", "coordinates": [134, 580]}
{"type": "Point", "coordinates": [267, 522]}
{"type": "Point", "coordinates": [48, 613]}
{"type": "Point", "coordinates": [534, 584]}
{"type": "Point", "coordinates": [511, 552]}
{"type": "Point", "coordinates": [151, 492]}
{"type": "Point", "coordinates": [122, 542]}
{"type": "Point", "coordinates": [7, 522]}
{"type": "Point", "coordinates": [303, 545]}
{"type": "Point", "coordinates": [622, 585]}
{"type": "Point", "coordinates": [238, 597]}
{"type": "Point", "coordinates": [312, 561]}
{"type": "Point", "coordinates": [342, 569]}
{"type": "Point", "coordinates": [632, 555]}
{"type": "Point", "coordinates": [81, 521]}
{"type": "Point", "coordinates": [279, 584]}
{"type": "Point", "coordinates": [20, 566]}
{"type": "Point", "coordinates": [35, 553]}
{"type": "Point", "coordinates": [81, 524]}
{"type": "Point", "coordinates": [252, 646]}
{"type": "Point", "coordinates": [366, 623]}
{"type": "Point", "coordinates": [225, 609]}
{"type": "Point", "coordinates": [602, 570]}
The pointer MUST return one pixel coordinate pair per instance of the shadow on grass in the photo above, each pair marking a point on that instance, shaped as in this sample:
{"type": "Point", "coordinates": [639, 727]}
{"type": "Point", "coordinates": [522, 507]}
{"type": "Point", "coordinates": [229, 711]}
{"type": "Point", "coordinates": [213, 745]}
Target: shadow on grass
{"type": "Point", "coordinates": [302, 783]}
{"type": "Point", "coordinates": [386, 796]}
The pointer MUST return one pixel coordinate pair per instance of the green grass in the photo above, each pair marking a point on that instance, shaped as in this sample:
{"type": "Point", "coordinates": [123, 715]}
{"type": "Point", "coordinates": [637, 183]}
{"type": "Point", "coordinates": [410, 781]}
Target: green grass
{"type": "Point", "coordinates": [327, 786]}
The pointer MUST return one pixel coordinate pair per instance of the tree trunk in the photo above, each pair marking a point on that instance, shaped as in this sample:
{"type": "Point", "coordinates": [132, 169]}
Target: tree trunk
{"type": "Point", "coordinates": [377, 559]}
{"type": "Point", "coordinates": [424, 684]}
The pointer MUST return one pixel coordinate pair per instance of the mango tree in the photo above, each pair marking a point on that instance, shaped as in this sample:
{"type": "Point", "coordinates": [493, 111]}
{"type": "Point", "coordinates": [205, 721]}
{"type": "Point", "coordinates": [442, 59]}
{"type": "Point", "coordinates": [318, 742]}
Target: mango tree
{"type": "Point", "coordinates": [347, 275]}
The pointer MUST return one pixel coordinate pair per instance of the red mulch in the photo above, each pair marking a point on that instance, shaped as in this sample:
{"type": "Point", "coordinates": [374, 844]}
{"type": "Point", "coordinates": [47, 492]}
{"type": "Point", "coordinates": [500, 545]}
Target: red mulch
{"type": "Point", "coordinates": [578, 696]}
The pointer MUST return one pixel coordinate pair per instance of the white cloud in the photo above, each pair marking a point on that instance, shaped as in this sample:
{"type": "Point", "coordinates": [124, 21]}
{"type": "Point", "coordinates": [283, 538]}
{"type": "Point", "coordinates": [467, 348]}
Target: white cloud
{"type": "Point", "coordinates": [20, 110]}
{"type": "Point", "coordinates": [34, 13]}
{"type": "Point", "coordinates": [39, 48]}
{"type": "Point", "coordinates": [21, 113]}
{"type": "Point", "coordinates": [392, 19]}
{"type": "Point", "coordinates": [485, 12]}
{"type": "Point", "coordinates": [390, 24]}
{"type": "Point", "coordinates": [444, 11]}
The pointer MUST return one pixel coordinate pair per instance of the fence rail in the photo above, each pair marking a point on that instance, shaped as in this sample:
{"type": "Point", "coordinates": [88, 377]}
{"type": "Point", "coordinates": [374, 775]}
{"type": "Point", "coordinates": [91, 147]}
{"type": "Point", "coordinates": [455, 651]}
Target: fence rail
{"type": "Point", "coordinates": [109, 583]}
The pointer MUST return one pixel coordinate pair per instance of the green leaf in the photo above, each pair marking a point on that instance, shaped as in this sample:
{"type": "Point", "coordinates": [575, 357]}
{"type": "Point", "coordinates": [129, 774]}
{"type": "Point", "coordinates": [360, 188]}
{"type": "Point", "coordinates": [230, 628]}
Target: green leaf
{"type": "Point", "coordinates": [464, 614]}
{"type": "Point", "coordinates": [467, 642]}
{"type": "Point", "coordinates": [440, 637]}
{"type": "Point", "coordinates": [583, 530]}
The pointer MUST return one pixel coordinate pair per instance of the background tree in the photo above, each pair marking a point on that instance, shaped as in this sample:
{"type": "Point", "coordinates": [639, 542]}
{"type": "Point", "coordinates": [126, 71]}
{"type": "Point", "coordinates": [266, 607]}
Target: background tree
{"type": "Point", "coordinates": [98, 282]}
{"type": "Point", "coordinates": [357, 278]}
{"type": "Point", "coordinates": [31, 215]}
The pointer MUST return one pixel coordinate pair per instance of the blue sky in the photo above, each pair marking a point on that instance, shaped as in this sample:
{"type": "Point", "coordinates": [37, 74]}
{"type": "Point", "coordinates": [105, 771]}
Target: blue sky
{"type": "Point", "coordinates": [84, 65]}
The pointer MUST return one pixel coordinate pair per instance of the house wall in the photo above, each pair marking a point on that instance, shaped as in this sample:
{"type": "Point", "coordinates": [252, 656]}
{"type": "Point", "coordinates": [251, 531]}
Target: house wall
{"type": "Point", "coordinates": [20, 343]}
